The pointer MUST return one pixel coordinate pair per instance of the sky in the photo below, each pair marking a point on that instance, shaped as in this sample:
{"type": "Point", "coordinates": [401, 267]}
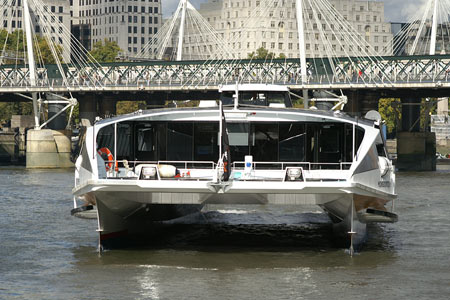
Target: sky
{"type": "Point", "coordinates": [395, 10]}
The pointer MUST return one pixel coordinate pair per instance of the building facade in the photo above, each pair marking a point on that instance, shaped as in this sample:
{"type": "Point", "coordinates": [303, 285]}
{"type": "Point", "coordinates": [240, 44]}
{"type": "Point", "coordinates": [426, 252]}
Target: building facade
{"type": "Point", "coordinates": [57, 20]}
{"type": "Point", "coordinates": [130, 23]}
{"type": "Point", "coordinates": [248, 25]}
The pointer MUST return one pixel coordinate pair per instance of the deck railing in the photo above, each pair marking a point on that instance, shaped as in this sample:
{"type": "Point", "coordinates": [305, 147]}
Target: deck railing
{"type": "Point", "coordinates": [205, 170]}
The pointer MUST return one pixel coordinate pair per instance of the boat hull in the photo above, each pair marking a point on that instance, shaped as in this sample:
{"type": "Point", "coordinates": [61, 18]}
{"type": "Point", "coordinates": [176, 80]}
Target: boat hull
{"type": "Point", "coordinates": [140, 211]}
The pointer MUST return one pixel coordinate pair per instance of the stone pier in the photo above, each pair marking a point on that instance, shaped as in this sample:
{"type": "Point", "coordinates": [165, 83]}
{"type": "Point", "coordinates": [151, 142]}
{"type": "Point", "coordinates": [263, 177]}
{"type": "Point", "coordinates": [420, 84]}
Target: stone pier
{"type": "Point", "coordinates": [416, 150]}
{"type": "Point", "coordinates": [47, 148]}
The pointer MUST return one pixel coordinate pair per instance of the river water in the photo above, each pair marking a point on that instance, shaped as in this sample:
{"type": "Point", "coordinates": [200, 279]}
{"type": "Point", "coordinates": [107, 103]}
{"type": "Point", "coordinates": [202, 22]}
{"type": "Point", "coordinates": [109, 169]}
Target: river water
{"type": "Point", "coordinates": [237, 253]}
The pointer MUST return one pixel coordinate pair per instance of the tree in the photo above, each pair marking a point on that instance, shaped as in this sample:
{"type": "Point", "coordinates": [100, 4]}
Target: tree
{"type": "Point", "coordinates": [14, 44]}
{"type": "Point", "coordinates": [105, 51]}
{"type": "Point", "coordinates": [390, 111]}
{"type": "Point", "coordinates": [261, 53]}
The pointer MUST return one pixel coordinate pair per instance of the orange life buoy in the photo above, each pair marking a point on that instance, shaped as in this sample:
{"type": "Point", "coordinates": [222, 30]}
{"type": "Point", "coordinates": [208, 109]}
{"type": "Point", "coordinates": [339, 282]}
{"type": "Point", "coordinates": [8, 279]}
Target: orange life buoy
{"type": "Point", "coordinates": [105, 153]}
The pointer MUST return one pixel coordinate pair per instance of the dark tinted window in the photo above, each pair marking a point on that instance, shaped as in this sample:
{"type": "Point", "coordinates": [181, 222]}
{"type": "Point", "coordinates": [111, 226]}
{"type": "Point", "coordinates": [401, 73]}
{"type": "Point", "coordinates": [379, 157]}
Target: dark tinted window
{"type": "Point", "coordinates": [206, 141]}
{"type": "Point", "coordinates": [292, 142]}
{"type": "Point", "coordinates": [179, 141]}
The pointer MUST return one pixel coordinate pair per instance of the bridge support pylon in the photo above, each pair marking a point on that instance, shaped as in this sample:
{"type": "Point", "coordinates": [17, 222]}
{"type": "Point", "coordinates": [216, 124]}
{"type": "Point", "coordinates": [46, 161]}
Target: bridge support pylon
{"type": "Point", "coordinates": [88, 109]}
{"type": "Point", "coordinates": [47, 148]}
{"type": "Point", "coordinates": [107, 106]}
{"type": "Point", "coordinates": [416, 148]}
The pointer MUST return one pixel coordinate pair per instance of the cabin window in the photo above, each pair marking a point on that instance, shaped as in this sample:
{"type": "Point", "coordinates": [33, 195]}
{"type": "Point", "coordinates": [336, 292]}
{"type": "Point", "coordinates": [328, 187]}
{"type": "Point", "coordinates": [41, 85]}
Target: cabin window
{"type": "Point", "coordinates": [145, 142]}
{"type": "Point", "coordinates": [238, 136]}
{"type": "Point", "coordinates": [264, 146]}
{"type": "Point", "coordinates": [315, 142]}
{"type": "Point", "coordinates": [292, 142]}
{"type": "Point", "coordinates": [206, 141]}
{"type": "Point", "coordinates": [105, 138]}
{"type": "Point", "coordinates": [179, 141]}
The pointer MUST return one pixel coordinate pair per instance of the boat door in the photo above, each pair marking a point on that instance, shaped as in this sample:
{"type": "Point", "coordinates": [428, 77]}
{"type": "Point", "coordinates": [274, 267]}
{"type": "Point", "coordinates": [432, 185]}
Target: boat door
{"type": "Point", "coordinates": [329, 143]}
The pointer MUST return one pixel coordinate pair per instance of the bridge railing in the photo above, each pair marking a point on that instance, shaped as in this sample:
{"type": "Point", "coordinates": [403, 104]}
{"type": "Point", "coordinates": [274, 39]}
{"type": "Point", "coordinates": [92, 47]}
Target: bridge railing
{"type": "Point", "coordinates": [185, 75]}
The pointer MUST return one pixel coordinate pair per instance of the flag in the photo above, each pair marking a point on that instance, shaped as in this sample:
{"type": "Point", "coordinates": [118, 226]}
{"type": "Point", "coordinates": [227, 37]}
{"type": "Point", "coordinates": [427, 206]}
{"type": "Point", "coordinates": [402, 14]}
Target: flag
{"type": "Point", "coordinates": [225, 147]}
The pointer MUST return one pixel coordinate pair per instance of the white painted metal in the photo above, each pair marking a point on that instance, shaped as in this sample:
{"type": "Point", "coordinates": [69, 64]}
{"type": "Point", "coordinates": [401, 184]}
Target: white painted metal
{"type": "Point", "coordinates": [434, 29]}
{"type": "Point", "coordinates": [31, 62]}
{"type": "Point", "coordinates": [181, 31]}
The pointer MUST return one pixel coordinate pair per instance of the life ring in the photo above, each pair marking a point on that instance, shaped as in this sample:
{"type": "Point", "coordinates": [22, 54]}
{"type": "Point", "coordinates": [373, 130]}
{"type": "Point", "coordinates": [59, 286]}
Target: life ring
{"type": "Point", "coordinates": [105, 153]}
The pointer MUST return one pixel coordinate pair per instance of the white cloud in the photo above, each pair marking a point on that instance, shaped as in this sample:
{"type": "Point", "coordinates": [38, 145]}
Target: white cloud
{"type": "Point", "coordinates": [395, 10]}
{"type": "Point", "coordinates": [400, 11]}
{"type": "Point", "coordinates": [169, 6]}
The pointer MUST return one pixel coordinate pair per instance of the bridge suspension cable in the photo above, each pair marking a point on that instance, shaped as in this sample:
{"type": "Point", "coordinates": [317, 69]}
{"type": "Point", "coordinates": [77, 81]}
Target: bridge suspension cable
{"type": "Point", "coordinates": [331, 43]}
{"type": "Point", "coordinates": [426, 33]}
{"type": "Point", "coordinates": [185, 29]}
{"type": "Point", "coordinates": [53, 48]}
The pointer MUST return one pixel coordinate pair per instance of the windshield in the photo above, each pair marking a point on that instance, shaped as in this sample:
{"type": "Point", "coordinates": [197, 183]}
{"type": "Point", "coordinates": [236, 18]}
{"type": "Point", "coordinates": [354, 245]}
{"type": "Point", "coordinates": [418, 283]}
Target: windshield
{"type": "Point", "coordinates": [257, 98]}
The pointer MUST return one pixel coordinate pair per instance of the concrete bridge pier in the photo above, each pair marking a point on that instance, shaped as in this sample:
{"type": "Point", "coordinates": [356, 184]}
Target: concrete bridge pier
{"type": "Point", "coordinates": [416, 149]}
{"type": "Point", "coordinates": [52, 147]}
{"type": "Point", "coordinates": [88, 109]}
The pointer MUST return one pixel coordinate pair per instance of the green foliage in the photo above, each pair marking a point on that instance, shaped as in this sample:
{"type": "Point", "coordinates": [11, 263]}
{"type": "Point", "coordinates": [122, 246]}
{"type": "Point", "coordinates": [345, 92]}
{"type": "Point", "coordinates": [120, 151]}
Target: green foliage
{"type": "Point", "coordinates": [15, 44]}
{"type": "Point", "coordinates": [7, 109]}
{"type": "Point", "coordinates": [261, 53]}
{"type": "Point", "coordinates": [125, 107]}
{"type": "Point", "coordinates": [105, 51]}
{"type": "Point", "coordinates": [390, 110]}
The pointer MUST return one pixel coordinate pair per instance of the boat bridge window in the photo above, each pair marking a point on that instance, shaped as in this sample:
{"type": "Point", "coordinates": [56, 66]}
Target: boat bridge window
{"type": "Point", "coordinates": [257, 98]}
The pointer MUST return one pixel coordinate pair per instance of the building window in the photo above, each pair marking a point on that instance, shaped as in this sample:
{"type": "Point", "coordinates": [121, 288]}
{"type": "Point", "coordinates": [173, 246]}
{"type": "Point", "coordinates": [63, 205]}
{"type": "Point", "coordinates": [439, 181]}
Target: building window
{"type": "Point", "coordinates": [155, 10]}
{"type": "Point", "coordinates": [134, 40]}
{"type": "Point", "coordinates": [60, 9]}
{"type": "Point", "coordinates": [129, 40]}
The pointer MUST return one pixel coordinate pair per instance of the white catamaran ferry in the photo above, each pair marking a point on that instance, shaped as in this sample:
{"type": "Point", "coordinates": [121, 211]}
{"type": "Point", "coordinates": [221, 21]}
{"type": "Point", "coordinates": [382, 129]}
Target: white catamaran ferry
{"type": "Point", "coordinates": [250, 148]}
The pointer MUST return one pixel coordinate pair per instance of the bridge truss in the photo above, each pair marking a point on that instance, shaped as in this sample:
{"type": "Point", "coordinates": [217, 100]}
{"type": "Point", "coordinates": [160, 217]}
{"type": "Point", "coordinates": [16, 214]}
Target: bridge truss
{"type": "Point", "coordinates": [391, 72]}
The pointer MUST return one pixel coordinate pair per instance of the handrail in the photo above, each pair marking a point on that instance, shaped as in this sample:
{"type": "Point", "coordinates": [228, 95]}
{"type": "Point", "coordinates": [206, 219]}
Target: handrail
{"type": "Point", "coordinates": [284, 165]}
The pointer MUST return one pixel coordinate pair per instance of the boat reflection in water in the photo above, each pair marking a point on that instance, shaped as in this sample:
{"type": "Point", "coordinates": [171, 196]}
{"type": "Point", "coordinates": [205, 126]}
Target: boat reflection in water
{"type": "Point", "coordinates": [250, 148]}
